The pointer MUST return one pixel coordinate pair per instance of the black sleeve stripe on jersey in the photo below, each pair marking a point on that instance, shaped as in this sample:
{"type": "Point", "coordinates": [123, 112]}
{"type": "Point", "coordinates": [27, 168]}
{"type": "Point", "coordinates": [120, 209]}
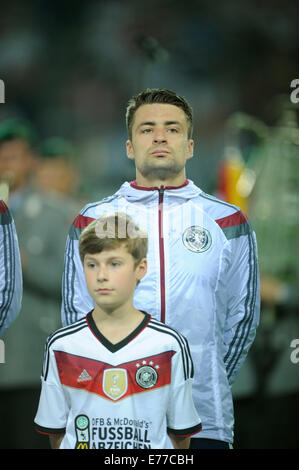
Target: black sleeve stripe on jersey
{"type": "Point", "coordinates": [185, 343]}
{"type": "Point", "coordinates": [181, 347]}
{"type": "Point", "coordinates": [187, 358]}
{"type": "Point", "coordinates": [187, 361]}
{"type": "Point", "coordinates": [186, 432]}
{"type": "Point", "coordinates": [190, 358]}
{"type": "Point", "coordinates": [49, 431]}
{"type": "Point", "coordinates": [69, 330]}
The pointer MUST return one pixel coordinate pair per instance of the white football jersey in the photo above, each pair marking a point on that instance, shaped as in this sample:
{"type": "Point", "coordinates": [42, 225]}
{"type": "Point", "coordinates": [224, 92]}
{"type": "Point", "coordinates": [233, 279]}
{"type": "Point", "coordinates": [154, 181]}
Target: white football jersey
{"type": "Point", "coordinates": [117, 396]}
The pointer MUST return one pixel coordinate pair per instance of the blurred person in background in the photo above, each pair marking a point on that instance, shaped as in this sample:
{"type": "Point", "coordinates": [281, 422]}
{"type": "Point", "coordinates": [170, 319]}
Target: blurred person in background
{"type": "Point", "coordinates": [42, 225]}
{"type": "Point", "coordinates": [11, 282]}
{"type": "Point", "coordinates": [56, 171]}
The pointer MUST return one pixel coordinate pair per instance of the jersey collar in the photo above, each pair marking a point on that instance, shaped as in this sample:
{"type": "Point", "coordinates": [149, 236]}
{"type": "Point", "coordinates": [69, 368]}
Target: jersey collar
{"type": "Point", "coordinates": [116, 347]}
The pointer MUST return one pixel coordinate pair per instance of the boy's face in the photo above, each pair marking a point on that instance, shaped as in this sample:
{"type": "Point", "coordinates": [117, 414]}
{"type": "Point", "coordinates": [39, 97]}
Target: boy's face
{"type": "Point", "coordinates": [111, 277]}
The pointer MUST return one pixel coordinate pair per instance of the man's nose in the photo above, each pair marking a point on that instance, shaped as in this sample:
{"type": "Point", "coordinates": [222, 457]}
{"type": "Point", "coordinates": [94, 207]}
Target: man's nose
{"type": "Point", "coordinates": [159, 136]}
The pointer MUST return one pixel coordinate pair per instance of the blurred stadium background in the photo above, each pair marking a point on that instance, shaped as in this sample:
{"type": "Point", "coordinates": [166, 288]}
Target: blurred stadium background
{"type": "Point", "coordinates": [70, 67]}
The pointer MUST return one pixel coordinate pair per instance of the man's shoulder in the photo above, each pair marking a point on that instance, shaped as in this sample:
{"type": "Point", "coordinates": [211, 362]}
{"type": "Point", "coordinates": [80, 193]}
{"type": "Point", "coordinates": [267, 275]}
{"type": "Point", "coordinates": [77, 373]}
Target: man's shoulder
{"type": "Point", "coordinates": [5, 215]}
{"type": "Point", "coordinates": [229, 217]}
{"type": "Point", "coordinates": [215, 206]}
{"type": "Point", "coordinates": [91, 212]}
{"type": "Point", "coordinates": [95, 209]}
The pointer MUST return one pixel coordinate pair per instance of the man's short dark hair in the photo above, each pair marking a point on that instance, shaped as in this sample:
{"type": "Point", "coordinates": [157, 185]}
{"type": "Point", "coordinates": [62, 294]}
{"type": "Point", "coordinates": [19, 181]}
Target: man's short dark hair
{"type": "Point", "coordinates": [161, 96]}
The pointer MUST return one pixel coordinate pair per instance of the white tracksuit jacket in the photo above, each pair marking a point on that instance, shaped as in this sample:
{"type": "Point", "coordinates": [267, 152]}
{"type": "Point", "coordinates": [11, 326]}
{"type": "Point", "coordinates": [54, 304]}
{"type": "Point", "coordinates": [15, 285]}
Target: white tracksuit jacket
{"type": "Point", "coordinates": [202, 280]}
{"type": "Point", "coordinates": [11, 281]}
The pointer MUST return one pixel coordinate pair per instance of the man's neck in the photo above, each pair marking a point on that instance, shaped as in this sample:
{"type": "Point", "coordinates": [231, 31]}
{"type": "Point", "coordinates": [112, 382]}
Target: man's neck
{"type": "Point", "coordinates": [157, 183]}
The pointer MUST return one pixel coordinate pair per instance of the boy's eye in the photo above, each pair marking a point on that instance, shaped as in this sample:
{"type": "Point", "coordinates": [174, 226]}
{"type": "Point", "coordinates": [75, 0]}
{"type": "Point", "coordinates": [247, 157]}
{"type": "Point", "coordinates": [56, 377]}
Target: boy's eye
{"type": "Point", "coordinates": [147, 130]}
{"type": "Point", "coordinates": [115, 263]}
{"type": "Point", "coordinates": [172, 130]}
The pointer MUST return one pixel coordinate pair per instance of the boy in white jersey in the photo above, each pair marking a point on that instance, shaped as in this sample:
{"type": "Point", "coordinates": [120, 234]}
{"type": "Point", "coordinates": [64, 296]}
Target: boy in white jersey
{"type": "Point", "coordinates": [116, 379]}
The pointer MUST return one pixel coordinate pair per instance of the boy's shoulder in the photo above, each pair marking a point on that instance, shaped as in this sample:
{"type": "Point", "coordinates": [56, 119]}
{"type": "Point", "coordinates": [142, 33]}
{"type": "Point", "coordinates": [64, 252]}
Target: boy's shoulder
{"type": "Point", "coordinates": [65, 333]}
{"type": "Point", "coordinates": [177, 341]}
{"type": "Point", "coordinates": [168, 331]}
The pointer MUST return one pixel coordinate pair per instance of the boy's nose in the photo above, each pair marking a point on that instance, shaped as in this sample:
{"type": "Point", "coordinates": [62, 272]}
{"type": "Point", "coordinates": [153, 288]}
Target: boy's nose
{"type": "Point", "coordinates": [102, 274]}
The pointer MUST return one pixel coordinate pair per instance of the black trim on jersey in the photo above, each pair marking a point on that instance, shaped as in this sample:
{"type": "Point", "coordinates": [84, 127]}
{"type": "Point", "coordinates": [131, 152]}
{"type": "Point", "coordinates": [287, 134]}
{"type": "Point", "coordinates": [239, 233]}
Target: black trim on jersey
{"type": "Point", "coordinates": [183, 343]}
{"type": "Point", "coordinates": [186, 432]}
{"type": "Point", "coordinates": [116, 347]}
{"type": "Point", "coordinates": [50, 431]}
{"type": "Point", "coordinates": [67, 330]}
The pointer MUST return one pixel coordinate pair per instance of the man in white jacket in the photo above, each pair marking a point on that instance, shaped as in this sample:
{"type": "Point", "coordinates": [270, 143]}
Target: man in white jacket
{"type": "Point", "coordinates": [202, 261]}
{"type": "Point", "coordinates": [11, 282]}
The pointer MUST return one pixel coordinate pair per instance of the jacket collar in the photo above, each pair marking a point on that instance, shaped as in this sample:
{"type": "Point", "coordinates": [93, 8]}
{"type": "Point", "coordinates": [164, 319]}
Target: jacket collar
{"type": "Point", "coordinates": [134, 184]}
{"type": "Point", "coordinates": [131, 191]}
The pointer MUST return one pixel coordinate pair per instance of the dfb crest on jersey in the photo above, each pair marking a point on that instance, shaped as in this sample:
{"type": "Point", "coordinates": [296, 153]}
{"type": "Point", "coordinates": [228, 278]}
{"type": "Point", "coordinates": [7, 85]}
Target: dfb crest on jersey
{"type": "Point", "coordinates": [115, 383]}
{"type": "Point", "coordinates": [146, 377]}
{"type": "Point", "coordinates": [82, 432]}
{"type": "Point", "coordinates": [197, 239]}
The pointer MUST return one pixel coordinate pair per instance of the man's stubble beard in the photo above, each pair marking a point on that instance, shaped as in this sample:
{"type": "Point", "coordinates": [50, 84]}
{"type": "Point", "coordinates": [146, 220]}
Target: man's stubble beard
{"type": "Point", "coordinates": [150, 171]}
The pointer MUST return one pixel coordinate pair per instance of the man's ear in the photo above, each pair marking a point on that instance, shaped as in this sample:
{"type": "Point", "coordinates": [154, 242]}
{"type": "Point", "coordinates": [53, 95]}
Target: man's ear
{"type": "Point", "coordinates": [130, 151]}
{"type": "Point", "coordinates": [191, 148]}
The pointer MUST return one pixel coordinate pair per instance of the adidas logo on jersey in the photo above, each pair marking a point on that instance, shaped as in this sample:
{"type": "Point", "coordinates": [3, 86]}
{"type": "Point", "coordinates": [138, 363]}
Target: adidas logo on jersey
{"type": "Point", "coordinates": [84, 376]}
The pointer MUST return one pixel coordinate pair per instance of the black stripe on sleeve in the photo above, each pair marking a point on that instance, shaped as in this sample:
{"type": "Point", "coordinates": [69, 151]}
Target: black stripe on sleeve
{"type": "Point", "coordinates": [48, 431]}
{"type": "Point", "coordinates": [183, 343]}
{"type": "Point", "coordinates": [244, 327]}
{"type": "Point", "coordinates": [186, 432]}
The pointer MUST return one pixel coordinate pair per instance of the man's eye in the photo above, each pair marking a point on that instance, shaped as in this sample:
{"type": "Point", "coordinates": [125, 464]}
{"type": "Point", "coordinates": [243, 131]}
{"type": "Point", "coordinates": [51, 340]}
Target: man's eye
{"type": "Point", "coordinates": [146, 131]}
{"type": "Point", "coordinates": [172, 130]}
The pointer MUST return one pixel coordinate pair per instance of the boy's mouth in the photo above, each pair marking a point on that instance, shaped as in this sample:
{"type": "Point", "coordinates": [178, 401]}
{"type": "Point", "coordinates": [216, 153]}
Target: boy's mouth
{"type": "Point", "coordinates": [104, 290]}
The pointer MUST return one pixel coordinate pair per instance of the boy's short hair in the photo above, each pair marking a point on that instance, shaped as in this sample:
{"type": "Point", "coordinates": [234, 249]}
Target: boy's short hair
{"type": "Point", "coordinates": [112, 231]}
{"type": "Point", "coordinates": [158, 96]}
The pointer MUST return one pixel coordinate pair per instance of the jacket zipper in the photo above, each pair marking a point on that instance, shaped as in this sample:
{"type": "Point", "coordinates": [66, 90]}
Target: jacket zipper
{"type": "Point", "coordinates": [161, 252]}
